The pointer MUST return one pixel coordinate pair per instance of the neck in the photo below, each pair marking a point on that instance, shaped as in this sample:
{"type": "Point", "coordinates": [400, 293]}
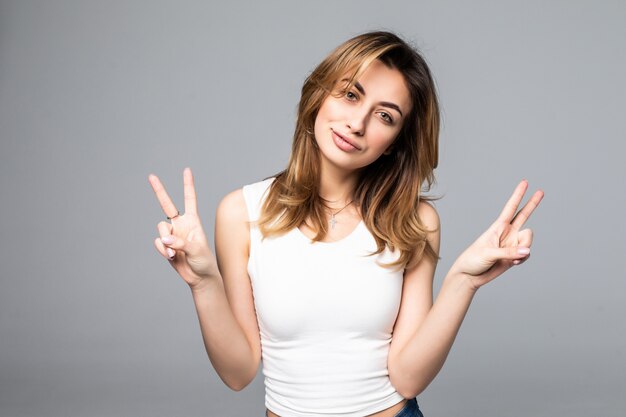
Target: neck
{"type": "Point", "coordinates": [337, 186]}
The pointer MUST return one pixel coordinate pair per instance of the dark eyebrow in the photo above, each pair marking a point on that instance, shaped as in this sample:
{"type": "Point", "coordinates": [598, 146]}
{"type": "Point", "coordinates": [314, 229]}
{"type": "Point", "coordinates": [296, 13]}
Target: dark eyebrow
{"type": "Point", "coordinates": [383, 103]}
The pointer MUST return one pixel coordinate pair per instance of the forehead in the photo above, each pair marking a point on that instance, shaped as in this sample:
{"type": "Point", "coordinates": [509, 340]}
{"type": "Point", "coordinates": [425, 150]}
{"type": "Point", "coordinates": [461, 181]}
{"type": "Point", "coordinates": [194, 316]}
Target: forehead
{"type": "Point", "coordinates": [382, 83]}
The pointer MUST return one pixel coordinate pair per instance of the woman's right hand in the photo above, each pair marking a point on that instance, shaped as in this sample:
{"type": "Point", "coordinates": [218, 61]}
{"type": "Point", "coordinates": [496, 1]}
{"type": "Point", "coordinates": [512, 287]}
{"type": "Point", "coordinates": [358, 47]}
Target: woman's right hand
{"type": "Point", "coordinates": [187, 249]}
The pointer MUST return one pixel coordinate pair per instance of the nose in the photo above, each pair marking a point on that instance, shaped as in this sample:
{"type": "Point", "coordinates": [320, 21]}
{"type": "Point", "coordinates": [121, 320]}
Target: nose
{"type": "Point", "coordinates": [356, 121]}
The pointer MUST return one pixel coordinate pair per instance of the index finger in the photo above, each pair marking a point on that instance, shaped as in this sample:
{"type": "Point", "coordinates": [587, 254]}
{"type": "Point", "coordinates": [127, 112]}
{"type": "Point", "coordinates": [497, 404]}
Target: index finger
{"type": "Point", "coordinates": [510, 207]}
{"type": "Point", "coordinates": [164, 199]}
{"type": "Point", "coordinates": [520, 218]}
{"type": "Point", "coordinates": [191, 202]}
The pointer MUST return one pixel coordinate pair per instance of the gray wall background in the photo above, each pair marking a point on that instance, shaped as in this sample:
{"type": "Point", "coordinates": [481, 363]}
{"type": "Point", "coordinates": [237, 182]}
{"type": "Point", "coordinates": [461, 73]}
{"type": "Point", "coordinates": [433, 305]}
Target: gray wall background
{"type": "Point", "coordinates": [94, 96]}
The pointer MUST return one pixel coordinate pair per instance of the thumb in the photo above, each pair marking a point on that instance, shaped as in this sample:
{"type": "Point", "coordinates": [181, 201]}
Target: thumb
{"type": "Point", "coordinates": [511, 253]}
{"type": "Point", "coordinates": [189, 248]}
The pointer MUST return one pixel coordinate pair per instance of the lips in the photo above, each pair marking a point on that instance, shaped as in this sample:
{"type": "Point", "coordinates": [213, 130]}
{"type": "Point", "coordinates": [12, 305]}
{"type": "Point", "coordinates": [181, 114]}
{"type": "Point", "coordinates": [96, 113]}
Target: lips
{"type": "Point", "coordinates": [346, 139]}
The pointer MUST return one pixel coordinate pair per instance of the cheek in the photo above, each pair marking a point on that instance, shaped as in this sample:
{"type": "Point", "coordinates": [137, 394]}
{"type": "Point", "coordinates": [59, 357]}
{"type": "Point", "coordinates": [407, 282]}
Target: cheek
{"type": "Point", "coordinates": [329, 110]}
{"type": "Point", "coordinates": [382, 137]}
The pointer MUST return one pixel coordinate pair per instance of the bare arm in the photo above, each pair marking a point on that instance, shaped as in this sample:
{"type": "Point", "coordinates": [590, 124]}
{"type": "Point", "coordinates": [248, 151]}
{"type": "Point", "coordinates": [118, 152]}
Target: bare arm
{"type": "Point", "coordinates": [225, 342]}
{"type": "Point", "coordinates": [225, 307]}
{"type": "Point", "coordinates": [220, 287]}
{"type": "Point", "coordinates": [417, 361]}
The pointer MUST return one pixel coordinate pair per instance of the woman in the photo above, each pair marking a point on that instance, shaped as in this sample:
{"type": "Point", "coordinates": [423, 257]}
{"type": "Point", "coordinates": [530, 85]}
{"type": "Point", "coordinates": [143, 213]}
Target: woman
{"type": "Point", "coordinates": [318, 266]}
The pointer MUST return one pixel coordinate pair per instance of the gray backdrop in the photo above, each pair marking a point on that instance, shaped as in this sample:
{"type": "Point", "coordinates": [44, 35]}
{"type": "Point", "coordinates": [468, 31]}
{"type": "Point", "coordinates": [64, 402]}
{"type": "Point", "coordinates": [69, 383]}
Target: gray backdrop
{"type": "Point", "coordinates": [94, 96]}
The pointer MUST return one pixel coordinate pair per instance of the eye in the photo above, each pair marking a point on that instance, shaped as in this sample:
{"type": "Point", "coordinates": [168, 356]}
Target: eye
{"type": "Point", "coordinates": [386, 116]}
{"type": "Point", "coordinates": [351, 96]}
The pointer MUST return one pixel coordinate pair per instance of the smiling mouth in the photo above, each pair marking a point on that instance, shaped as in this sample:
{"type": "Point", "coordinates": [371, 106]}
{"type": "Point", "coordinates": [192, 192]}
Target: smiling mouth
{"type": "Point", "coordinates": [346, 140]}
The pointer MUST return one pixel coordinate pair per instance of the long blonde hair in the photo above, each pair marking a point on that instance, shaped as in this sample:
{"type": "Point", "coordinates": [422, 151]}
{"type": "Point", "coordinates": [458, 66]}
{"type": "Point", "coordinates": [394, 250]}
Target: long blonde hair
{"type": "Point", "coordinates": [389, 189]}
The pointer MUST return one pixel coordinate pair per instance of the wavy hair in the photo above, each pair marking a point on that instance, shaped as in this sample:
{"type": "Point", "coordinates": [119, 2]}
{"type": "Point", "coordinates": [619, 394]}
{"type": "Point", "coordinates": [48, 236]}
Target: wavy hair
{"type": "Point", "coordinates": [389, 190]}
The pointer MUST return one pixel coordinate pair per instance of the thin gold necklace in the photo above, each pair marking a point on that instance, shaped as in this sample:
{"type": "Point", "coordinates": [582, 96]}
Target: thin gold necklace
{"type": "Point", "coordinates": [333, 221]}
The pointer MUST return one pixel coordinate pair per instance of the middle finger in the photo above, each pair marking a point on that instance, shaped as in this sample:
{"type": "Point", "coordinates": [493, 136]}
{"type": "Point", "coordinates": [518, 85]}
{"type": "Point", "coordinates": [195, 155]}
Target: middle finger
{"type": "Point", "coordinates": [191, 204]}
{"type": "Point", "coordinates": [520, 218]}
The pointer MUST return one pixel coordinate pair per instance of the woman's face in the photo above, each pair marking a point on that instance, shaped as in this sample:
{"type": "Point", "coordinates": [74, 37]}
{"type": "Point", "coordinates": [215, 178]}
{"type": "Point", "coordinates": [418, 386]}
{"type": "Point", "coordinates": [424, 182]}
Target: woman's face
{"type": "Point", "coordinates": [369, 116]}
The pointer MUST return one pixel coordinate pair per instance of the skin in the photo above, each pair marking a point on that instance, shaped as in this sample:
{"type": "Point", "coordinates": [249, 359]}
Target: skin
{"type": "Point", "coordinates": [365, 119]}
{"type": "Point", "coordinates": [225, 292]}
{"type": "Point", "coordinates": [362, 119]}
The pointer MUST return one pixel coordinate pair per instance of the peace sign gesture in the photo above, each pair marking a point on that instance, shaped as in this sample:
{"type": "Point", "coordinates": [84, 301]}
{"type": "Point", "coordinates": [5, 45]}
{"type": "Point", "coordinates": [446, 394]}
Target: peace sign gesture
{"type": "Point", "coordinates": [183, 241]}
{"type": "Point", "coordinates": [503, 244]}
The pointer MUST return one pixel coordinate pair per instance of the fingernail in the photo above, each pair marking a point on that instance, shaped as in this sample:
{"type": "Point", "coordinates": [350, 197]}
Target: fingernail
{"type": "Point", "coordinates": [168, 240]}
{"type": "Point", "coordinates": [523, 251]}
{"type": "Point", "coordinates": [171, 252]}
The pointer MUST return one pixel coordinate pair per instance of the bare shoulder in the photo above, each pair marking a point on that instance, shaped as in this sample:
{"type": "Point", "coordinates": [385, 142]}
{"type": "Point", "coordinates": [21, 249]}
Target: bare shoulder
{"type": "Point", "coordinates": [231, 222]}
{"type": "Point", "coordinates": [233, 206]}
{"type": "Point", "coordinates": [429, 216]}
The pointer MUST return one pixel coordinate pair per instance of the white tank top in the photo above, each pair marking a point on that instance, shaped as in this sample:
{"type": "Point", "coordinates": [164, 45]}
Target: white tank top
{"type": "Point", "coordinates": [325, 317]}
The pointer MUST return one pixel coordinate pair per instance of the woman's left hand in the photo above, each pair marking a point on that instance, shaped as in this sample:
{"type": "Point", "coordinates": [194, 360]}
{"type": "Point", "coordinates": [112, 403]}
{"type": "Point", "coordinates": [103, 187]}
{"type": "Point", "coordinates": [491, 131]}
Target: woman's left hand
{"type": "Point", "coordinates": [497, 250]}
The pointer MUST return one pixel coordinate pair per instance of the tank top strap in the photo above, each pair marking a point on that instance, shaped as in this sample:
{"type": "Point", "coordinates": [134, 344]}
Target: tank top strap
{"type": "Point", "coordinates": [254, 195]}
